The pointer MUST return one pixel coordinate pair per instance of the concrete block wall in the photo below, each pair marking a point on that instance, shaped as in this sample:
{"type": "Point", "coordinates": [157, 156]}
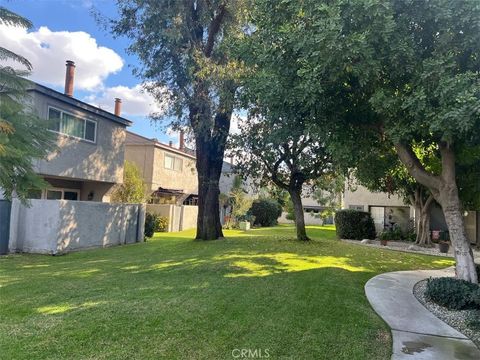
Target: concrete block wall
{"type": "Point", "coordinates": [55, 227]}
{"type": "Point", "coordinates": [179, 217]}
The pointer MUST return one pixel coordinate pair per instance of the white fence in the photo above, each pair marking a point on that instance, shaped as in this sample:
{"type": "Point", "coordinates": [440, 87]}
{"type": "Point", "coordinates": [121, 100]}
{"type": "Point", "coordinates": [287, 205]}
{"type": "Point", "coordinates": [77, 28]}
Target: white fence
{"type": "Point", "coordinates": [310, 219]}
{"type": "Point", "coordinates": [53, 227]}
{"type": "Point", "coordinates": [179, 217]}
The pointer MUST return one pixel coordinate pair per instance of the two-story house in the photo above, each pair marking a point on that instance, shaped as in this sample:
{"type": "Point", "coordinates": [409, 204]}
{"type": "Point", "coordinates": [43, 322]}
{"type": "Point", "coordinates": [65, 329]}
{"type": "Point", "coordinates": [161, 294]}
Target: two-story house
{"type": "Point", "coordinates": [169, 172]}
{"type": "Point", "coordinates": [90, 151]}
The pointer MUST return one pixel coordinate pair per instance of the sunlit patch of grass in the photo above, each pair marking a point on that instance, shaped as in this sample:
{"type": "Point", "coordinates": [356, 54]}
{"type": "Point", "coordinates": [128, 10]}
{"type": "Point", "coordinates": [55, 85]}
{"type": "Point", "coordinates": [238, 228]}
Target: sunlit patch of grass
{"type": "Point", "coordinates": [175, 298]}
{"type": "Point", "coordinates": [285, 262]}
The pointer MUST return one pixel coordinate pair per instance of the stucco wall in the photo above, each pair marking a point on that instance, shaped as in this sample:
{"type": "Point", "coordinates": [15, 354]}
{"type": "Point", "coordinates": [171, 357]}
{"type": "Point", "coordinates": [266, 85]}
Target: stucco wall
{"type": "Point", "coordinates": [310, 219]}
{"type": "Point", "coordinates": [186, 179]}
{"type": "Point", "coordinates": [142, 157]}
{"type": "Point", "coordinates": [79, 159]}
{"type": "Point", "coordinates": [179, 217]}
{"type": "Point", "coordinates": [52, 227]}
{"type": "Point", "coordinates": [360, 195]}
{"type": "Point", "coordinates": [189, 217]}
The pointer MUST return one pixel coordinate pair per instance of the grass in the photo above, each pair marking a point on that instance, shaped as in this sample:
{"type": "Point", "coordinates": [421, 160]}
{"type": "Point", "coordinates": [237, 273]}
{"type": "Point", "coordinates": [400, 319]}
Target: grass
{"type": "Point", "coordinates": [174, 298]}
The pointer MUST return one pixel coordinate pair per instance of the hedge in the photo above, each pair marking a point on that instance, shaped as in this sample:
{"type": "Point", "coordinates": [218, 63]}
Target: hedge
{"type": "Point", "coordinates": [266, 212]}
{"type": "Point", "coordinates": [354, 224]}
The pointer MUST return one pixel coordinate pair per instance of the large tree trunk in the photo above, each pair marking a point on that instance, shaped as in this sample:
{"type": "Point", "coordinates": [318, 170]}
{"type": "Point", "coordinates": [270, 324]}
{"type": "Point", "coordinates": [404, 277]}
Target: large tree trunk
{"type": "Point", "coordinates": [445, 191]}
{"type": "Point", "coordinates": [449, 200]}
{"type": "Point", "coordinates": [210, 148]}
{"type": "Point", "coordinates": [295, 196]}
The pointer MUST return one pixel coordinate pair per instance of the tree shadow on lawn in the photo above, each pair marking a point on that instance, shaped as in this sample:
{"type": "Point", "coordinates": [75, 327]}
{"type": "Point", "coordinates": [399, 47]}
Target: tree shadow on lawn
{"type": "Point", "coordinates": [306, 291]}
{"type": "Point", "coordinates": [305, 313]}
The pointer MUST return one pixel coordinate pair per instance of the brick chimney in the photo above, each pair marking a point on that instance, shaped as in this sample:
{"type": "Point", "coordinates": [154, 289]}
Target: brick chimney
{"type": "Point", "coordinates": [182, 140]}
{"type": "Point", "coordinates": [69, 77]}
{"type": "Point", "coordinates": [118, 106]}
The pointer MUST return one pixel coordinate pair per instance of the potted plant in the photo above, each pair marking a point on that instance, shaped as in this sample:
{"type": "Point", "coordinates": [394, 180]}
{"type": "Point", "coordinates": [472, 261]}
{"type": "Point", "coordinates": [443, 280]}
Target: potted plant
{"type": "Point", "coordinates": [245, 222]}
{"type": "Point", "coordinates": [443, 246]}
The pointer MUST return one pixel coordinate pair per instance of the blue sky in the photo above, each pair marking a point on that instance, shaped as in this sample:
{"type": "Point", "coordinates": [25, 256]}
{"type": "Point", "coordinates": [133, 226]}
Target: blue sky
{"type": "Point", "coordinates": [67, 22]}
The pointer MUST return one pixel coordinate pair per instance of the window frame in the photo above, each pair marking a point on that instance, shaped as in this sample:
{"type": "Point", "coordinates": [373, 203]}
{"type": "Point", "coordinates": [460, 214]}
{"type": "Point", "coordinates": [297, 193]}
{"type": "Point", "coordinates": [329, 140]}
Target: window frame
{"type": "Point", "coordinates": [83, 118]}
{"type": "Point", "coordinates": [62, 190]}
{"type": "Point", "coordinates": [175, 160]}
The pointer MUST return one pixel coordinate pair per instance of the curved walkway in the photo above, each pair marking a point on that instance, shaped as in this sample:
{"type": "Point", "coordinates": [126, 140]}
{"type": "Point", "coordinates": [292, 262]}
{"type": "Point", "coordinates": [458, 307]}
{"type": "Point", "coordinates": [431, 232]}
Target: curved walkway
{"type": "Point", "coordinates": [416, 332]}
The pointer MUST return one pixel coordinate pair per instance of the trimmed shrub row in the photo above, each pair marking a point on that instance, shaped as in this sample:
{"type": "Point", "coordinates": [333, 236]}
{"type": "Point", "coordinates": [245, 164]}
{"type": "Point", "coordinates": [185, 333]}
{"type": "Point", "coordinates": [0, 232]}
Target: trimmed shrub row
{"type": "Point", "coordinates": [454, 294]}
{"type": "Point", "coordinates": [354, 224]}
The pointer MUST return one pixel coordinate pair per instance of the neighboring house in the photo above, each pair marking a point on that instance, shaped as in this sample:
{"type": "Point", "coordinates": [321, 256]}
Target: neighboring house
{"type": "Point", "coordinates": [389, 210]}
{"type": "Point", "coordinates": [169, 173]}
{"type": "Point", "coordinates": [386, 209]}
{"type": "Point", "coordinates": [91, 145]}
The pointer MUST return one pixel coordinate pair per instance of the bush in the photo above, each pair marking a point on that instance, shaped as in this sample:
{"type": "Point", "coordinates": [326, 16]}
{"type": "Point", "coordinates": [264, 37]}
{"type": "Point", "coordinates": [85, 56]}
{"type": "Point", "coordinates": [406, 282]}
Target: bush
{"type": "Point", "coordinates": [454, 294]}
{"type": "Point", "coordinates": [354, 224]}
{"type": "Point", "coordinates": [155, 223]}
{"type": "Point", "coordinates": [266, 212]}
{"type": "Point", "coordinates": [398, 234]}
{"type": "Point", "coordinates": [161, 224]}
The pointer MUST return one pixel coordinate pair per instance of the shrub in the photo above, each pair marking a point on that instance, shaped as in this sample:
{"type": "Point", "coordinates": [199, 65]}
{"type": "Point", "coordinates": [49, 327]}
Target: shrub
{"type": "Point", "coordinates": [155, 223]}
{"type": "Point", "coordinates": [454, 294]}
{"type": "Point", "coordinates": [161, 224]}
{"type": "Point", "coordinates": [392, 234]}
{"type": "Point", "coordinates": [266, 212]}
{"type": "Point", "coordinates": [354, 224]}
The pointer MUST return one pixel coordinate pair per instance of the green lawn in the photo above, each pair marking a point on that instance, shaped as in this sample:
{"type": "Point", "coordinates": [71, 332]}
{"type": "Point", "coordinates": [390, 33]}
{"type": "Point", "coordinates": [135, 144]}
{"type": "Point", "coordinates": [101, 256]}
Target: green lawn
{"type": "Point", "coordinates": [174, 298]}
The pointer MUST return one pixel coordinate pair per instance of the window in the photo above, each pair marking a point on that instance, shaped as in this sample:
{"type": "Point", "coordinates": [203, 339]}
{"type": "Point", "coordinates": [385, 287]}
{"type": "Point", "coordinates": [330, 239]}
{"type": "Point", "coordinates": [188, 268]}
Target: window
{"type": "Point", "coordinates": [55, 194]}
{"type": "Point", "coordinates": [173, 163]}
{"type": "Point", "coordinates": [356, 207]}
{"type": "Point", "coordinates": [68, 124]}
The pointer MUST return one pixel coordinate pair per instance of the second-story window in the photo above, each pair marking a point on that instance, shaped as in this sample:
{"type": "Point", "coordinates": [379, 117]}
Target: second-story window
{"type": "Point", "coordinates": [68, 124]}
{"type": "Point", "coordinates": [173, 163]}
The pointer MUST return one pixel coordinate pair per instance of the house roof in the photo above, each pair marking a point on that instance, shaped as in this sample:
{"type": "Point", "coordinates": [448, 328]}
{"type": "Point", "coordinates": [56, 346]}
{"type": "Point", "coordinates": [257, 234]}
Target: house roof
{"type": "Point", "coordinates": [78, 104]}
{"type": "Point", "coordinates": [135, 139]}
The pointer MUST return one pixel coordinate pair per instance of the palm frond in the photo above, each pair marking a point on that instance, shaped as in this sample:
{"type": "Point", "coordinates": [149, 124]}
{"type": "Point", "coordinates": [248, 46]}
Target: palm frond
{"type": "Point", "coordinates": [6, 54]}
{"type": "Point", "coordinates": [8, 17]}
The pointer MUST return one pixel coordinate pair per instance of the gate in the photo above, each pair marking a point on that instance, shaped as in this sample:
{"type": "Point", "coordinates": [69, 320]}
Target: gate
{"type": "Point", "coordinates": [5, 207]}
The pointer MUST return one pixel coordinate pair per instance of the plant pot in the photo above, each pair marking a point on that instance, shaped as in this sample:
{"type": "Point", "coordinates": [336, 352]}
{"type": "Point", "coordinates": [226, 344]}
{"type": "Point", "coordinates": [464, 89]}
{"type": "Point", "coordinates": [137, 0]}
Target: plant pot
{"type": "Point", "coordinates": [443, 247]}
{"type": "Point", "coordinates": [383, 242]}
{"type": "Point", "coordinates": [244, 225]}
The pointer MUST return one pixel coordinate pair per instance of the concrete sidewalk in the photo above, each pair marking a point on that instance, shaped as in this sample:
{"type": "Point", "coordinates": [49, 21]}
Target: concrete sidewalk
{"type": "Point", "coordinates": [417, 333]}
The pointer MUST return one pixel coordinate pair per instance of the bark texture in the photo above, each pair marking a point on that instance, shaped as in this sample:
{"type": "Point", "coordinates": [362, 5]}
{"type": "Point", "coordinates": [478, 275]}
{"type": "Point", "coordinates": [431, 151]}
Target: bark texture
{"type": "Point", "coordinates": [445, 191]}
{"type": "Point", "coordinates": [422, 217]}
{"type": "Point", "coordinates": [296, 197]}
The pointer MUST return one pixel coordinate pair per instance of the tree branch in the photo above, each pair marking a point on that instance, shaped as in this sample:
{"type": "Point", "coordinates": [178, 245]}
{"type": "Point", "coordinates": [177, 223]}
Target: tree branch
{"type": "Point", "coordinates": [214, 28]}
{"type": "Point", "coordinates": [415, 167]}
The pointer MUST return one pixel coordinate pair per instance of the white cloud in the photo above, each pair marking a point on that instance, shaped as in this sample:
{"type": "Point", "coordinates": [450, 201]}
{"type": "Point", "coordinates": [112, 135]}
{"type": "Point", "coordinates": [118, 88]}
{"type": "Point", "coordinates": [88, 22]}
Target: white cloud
{"type": "Point", "coordinates": [135, 101]}
{"type": "Point", "coordinates": [48, 50]}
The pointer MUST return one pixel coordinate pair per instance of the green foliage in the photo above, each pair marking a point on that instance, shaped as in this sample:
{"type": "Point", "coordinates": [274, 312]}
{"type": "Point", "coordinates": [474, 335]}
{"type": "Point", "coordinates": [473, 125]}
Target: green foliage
{"type": "Point", "coordinates": [454, 294]}
{"type": "Point", "coordinates": [290, 210]}
{"type": "Point", "coordinates": [397, 234]}
{"type": "Point", "coordinates": [240, 203]}
{"type": "Point", "coordinates": [155, 223]}
{"type": "Point", "coordinates": [133, 189]}
{"type": "Point", "coordinates": [161, 224]}
{"type": "Point", "coordinates": [266, 212]}
{"type": "Point", "coordinates": [23, 135]}
{"type": "Point", "coordinates": [354, 224]}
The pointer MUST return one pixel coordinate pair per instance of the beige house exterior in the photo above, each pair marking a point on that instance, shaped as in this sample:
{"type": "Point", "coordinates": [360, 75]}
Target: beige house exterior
{"type": "Point", "coordinates": [387, 209]}
{"type": "Point", "coordinates": [168, 172]}
{"type": "Point", "coordinates": [90, 141]}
